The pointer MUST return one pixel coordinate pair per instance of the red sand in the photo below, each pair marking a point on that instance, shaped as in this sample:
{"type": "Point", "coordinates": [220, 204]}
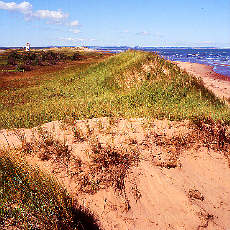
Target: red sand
{"type": "Point", "coordinates": [217, 83]}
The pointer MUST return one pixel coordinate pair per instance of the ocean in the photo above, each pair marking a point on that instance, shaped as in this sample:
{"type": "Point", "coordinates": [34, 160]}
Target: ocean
{"type": "Point", "coordinates": [218, 58]}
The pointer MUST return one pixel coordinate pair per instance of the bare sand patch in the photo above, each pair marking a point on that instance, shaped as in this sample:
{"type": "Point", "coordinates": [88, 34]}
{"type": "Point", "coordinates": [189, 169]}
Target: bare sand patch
{"type": "Point", "coordinates": [137, 173]}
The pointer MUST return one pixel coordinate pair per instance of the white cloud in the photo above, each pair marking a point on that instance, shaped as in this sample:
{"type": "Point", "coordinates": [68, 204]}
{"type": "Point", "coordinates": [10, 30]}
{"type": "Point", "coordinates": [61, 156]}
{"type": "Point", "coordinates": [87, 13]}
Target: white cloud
{"type": "Point", "coordinates": [26, 9]}
{"type": "Point", "coordinates": [75, 31]}
{"type": "Point", "coordinates": [74, 23]}
{"type": "Point", "coordinates": [69, 39]}
{"type": "Point", "coordinates": [207, 42]}
{"type": "Point", "coordinates": [23, 7]}
{"type": "Point", "coordinates": [56, 16]}
{"type": "Point", "coordinates": [143, 33]}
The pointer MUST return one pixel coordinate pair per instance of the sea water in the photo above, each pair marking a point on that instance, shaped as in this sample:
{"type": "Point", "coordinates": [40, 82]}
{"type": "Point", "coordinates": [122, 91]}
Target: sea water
{"type": "Point", "coordinates": [219, 59]}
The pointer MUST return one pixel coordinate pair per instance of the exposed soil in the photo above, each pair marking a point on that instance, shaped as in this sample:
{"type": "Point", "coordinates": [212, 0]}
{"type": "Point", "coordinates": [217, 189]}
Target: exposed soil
{"type": "Point", "coordinates": [137, 174]}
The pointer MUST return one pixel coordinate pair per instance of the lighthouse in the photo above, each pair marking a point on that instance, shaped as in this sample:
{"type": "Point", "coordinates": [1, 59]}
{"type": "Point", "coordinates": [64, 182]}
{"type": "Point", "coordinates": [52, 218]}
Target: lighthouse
{"type": "Point", "coordinates": [27, 46]}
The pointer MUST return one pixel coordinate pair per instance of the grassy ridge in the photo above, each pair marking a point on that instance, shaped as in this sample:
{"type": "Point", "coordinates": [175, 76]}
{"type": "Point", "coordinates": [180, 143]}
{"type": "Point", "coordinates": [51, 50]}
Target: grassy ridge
{"type": "Point", "coordinates": [130, 84]}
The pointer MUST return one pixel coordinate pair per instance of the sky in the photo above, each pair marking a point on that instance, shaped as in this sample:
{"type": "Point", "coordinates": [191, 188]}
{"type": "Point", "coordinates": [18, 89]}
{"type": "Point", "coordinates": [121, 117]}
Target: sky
{"type": "Point", "coordinates": [155, 23]}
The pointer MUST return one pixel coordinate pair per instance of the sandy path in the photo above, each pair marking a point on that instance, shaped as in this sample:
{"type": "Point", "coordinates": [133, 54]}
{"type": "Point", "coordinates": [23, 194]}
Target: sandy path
{"type": "Point", "coordinates": [218, 84]}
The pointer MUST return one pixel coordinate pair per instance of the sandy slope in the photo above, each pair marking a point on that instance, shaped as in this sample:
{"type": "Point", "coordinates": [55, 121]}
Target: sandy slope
{"type": "Point", "coordinates": [217, 83]}
{"type": "Point", "coordinates": [179, 182]}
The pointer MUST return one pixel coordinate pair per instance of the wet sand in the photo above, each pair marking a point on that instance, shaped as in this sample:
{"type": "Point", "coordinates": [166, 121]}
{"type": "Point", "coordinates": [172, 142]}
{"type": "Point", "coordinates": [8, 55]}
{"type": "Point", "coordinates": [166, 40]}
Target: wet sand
{"type": "Point", "coordinates": [217, 83]}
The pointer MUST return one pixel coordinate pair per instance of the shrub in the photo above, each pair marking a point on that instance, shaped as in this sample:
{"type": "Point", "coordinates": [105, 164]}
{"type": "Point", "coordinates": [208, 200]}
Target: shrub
{"type": "Point", "coordinates": [76, 56]}
{"type": "Point", "coordinates": [12, 58]}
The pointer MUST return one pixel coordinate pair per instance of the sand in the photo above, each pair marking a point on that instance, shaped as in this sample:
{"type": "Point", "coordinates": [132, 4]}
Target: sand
{"type": "Point", "coordinates": [172, 186]}
{"type": "Point", "coordinates": [217, 83]}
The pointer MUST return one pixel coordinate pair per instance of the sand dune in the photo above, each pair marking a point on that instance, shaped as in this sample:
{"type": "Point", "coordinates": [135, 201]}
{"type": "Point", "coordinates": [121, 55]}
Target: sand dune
{"type": "Point", "coordinates": [139, 173]}
{"type": "Point", "coordinates": [180, 181]}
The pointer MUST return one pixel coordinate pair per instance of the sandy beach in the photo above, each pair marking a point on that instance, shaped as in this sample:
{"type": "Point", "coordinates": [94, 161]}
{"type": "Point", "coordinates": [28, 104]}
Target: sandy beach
{"type": "Point", "coordinates": [217, 83]}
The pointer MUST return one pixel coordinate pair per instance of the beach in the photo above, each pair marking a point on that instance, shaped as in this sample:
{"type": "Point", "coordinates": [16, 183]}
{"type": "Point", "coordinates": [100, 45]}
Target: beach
{"type": "Point", "coordinates": [121, 135]}
{"type": "Point", "coordinates": [217, 83]}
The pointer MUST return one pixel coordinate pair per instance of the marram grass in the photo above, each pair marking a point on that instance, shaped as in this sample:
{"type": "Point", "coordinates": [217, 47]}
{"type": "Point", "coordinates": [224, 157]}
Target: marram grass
{"type": "Point", "coordinates": [130, 84]}
{"type": "Point", "coordinates": [32, 199]}
{"type": "Point", "coordinates": [29, 198]}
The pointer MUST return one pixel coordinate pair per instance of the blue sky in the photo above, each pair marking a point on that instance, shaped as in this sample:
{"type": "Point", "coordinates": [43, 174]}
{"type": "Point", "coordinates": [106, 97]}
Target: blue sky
{"type": "Point", "coordinates": [115, 22]}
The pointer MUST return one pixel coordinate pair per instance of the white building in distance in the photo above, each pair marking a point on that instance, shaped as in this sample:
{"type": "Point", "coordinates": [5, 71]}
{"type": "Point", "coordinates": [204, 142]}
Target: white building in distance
{"type": "Point", "coordinates": [27, 46]}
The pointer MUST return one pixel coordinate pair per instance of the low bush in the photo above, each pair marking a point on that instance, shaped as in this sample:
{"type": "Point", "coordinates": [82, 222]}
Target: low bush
{"type": "Point", "coordinates": [39, 58]}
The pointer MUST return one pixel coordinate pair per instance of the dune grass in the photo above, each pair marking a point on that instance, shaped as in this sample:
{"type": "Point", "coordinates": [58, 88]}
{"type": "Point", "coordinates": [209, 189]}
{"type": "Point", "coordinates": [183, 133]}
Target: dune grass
{"type": "Point", "coordinates": [130, 84]}
{"type": "Point", "coordinates": [30, 199]}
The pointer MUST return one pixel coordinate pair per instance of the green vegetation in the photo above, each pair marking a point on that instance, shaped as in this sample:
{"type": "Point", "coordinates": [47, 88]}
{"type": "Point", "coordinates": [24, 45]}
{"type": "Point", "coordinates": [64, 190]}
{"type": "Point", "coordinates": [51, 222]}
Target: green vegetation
{"type": "Point", "coordinates": [29, 199]}
{"type": "Point", "coordinates": [130, 84]}
{"type": "Point", "coordinates": [19, 60]}
{"type": "Point", "coordinates": [25, 60]}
